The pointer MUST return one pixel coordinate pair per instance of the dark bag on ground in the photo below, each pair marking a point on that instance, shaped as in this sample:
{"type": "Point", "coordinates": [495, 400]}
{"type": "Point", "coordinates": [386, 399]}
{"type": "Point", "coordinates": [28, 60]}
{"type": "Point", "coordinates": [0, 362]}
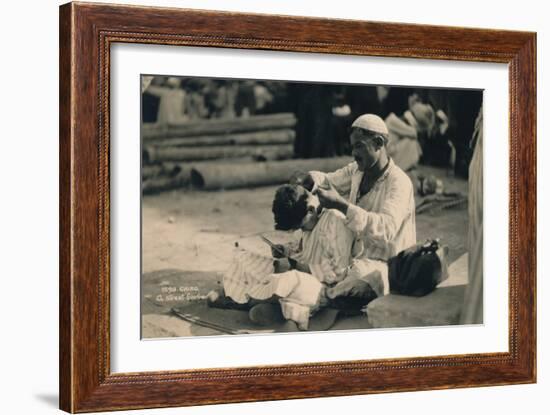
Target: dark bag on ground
{"type": "Point", "coordinates": [418, 270]}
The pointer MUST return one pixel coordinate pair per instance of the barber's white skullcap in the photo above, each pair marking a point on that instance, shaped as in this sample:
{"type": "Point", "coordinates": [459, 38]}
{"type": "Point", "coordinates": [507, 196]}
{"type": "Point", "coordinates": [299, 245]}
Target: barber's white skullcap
{"type": "Point", "coordinates": [371, 123]}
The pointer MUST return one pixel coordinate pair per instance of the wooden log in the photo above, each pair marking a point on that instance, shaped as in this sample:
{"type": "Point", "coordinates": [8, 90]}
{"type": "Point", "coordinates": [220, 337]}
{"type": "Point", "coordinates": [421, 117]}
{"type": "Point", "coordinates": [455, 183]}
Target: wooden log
{"type": "Point", "coordinates": [149, 129]}
{"type": "Point", "coordinates": [229, 176]}
{"type": "Point", "coordinates": [221, 126]}
{"type": "Point", "coordinates": [173, 175]}
{"type": "Point", "coordinates": [156, 170]}
{"type": "Point", "coordinates": [158, 184]}
{"type": "Point", "coordinates": [405, 153]}
{"type": "Point", "coordinates": [271, 152]}
{"type": "Point", "coordinates": [285, 136]}
{"type": "Point", "coordinates": [149, 171]}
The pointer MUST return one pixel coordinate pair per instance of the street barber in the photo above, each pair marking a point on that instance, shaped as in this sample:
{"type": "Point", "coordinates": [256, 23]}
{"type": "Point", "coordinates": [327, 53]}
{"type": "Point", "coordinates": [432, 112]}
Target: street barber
{"type": "Point", "coordinates": [377, 199]}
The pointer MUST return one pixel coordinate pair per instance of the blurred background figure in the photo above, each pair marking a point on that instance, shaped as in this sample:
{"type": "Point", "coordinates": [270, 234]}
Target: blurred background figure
{"type": "Point", "coordinates": [145, 82]}
{"type": "Point", "coordinates": [472, 311]}
{"type": "Point", "coordinates": [170, 97]}
{"type": "Point", "coordinates": [341, 120]}
{"type": "Point", "coordinates": [437, 147]}
{"type": "Point", "coordinates": [405, 132]}
{"type": "Point", "coordinates": [195, 104]}
{"type": "Point", "coordinates": [430, 126]}
{"type": "Point", "coordinates": [220, 98]}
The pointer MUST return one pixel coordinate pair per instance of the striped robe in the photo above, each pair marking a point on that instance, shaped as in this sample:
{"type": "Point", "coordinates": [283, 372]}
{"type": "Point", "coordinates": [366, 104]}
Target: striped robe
{"type": "Point", "coordinates": [327, 251]}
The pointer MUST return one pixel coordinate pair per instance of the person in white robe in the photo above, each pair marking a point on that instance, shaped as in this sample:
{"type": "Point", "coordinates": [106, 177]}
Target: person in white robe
{"type": "Point", "coordinates": [322, 259]}
{"type": "Point", "coordinates": [377, 199]}
{"type": "Point", "coordinates": [366, 215]}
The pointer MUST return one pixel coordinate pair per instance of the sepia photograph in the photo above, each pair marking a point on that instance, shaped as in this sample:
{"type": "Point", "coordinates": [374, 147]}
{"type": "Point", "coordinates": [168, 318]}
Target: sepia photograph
{"type": "Point", "coordinates": [274, 206]}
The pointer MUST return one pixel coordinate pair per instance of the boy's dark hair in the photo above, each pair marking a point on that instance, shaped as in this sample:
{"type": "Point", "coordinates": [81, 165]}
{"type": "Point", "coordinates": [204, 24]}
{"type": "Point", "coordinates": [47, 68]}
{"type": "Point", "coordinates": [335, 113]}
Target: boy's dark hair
{"type": "Point", "coordinates": [289, 207]}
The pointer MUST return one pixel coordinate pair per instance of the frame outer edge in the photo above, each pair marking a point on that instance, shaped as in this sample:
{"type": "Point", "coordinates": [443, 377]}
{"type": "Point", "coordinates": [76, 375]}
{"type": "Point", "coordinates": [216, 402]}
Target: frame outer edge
{"type": "Point", "coordinates": [66, 120]}
{"type": "Point", "coordinates": [82, 388]}
{"type": "Point", "coordinates": [533, 346]}
{"type": "Point", "coordinates": [527, 120]}
{"type": "Point", "coordinates": [85, 209]}
{"type": "Point", "coordinates": [523, 199]}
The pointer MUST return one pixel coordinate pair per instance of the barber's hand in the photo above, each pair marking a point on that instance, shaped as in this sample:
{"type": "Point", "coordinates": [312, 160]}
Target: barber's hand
{"type": "Point", "coordinates": [331, 199]}
{"type": "Point", "coordinates": [303, 179]}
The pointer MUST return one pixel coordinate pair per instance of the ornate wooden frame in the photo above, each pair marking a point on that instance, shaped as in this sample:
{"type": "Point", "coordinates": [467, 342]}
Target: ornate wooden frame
{"type": "Point", "coordinates": [86, 33]}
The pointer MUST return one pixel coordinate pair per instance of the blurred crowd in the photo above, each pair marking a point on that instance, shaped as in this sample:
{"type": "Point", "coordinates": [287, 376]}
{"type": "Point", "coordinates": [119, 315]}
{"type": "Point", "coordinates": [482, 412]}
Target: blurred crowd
{"type": "Point", "coordinates": [431, 125]}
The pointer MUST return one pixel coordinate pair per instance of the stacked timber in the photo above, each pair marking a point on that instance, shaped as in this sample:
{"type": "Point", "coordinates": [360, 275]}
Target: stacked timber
{"type": "Point", "coordinates": [166, 176]}
{"type": "Point", "coordinates": [220, 126]}
{"type": "Point", "coordinates": [170, 150]}
{"type": "Point", "coordinates": [223, 153]}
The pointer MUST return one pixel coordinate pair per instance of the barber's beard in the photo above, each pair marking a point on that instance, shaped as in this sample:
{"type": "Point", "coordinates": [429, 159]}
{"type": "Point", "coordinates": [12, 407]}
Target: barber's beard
{"type": "Point", "coordinates": [363, 163]}
{"type": "Point", "coordinates": [372, 165]}
{"type": "Point", "coordinates": [365, 166]}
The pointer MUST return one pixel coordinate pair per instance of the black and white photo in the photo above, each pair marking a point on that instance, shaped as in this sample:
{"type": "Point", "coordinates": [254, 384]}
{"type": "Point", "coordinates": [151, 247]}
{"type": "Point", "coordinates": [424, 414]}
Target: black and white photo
{"type": "Point", "coordinates": [280, 207]}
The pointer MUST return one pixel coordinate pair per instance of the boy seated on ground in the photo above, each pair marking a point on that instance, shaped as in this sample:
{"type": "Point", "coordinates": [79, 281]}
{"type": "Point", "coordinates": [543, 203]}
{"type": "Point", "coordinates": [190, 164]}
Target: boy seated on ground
{"type": "Point", "coordinates": [297, 284]}
{"type": "Point", "coordinates": [314, 276]}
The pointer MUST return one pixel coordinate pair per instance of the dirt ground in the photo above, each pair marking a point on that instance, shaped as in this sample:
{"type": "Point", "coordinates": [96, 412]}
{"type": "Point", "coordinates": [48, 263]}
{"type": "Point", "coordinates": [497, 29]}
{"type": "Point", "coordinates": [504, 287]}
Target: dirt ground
{"type": "Point", "coordinates": [196, 232]}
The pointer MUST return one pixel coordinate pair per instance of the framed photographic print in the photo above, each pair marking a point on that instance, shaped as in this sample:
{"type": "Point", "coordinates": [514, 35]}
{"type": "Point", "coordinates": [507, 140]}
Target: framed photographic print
{"type": "Point", "coordinates": [260, 207]}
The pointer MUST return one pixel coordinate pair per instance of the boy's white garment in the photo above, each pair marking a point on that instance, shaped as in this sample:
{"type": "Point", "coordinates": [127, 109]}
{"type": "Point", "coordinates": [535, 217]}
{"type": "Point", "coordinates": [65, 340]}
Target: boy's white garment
{"type": "Point", "coordinates": [327, 248]}
{"type": "Point", "coordinates": [251, 276]}
{"type": "Point", "coordinates": [327, 251]}
{"type": "Point", "coordinates": [303, 299]}
{"type": "Point", "coordinates": [381, 225]}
